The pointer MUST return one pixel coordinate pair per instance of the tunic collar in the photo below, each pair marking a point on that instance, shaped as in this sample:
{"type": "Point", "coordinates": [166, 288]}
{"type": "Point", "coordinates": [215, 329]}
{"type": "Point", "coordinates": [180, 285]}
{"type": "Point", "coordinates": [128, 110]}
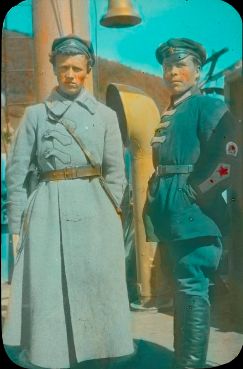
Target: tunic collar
{"type": "Point", "coordinates": [58, 104]}
{"type": "Point", "coordinates": [188, 94]}
{"type": "Point", "coordinates": [175, 102]}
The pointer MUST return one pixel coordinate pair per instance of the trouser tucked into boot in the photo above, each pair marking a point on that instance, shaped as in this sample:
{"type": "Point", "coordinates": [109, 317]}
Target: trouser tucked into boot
{"type": "Point", "coordinates": [194, 263]}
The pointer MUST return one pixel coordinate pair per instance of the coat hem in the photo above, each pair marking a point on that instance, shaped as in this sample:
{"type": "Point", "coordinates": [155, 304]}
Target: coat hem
{"type": "Point", "coordinates": [182, 238]}
{"type": "Point", "coordinates": [67, 366]}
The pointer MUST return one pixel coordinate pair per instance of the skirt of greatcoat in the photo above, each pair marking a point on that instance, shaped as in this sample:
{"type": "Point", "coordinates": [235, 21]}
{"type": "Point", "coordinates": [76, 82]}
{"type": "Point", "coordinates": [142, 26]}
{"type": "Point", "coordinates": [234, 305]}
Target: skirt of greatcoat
{"type": "Point", "coordinates": [69, 296]}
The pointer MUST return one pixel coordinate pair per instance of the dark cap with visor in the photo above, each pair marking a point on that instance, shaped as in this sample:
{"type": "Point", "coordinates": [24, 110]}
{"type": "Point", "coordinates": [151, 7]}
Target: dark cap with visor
{"type": "Point", "coordinates": [73, 45]}
{"type": "Point", "coordinates": [176, 49]}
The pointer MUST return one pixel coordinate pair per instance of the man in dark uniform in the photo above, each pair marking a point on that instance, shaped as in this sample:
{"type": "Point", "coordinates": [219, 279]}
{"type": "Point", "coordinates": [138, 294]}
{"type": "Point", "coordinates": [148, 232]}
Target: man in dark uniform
{"type": "Point", "coordinates": [195, 150]}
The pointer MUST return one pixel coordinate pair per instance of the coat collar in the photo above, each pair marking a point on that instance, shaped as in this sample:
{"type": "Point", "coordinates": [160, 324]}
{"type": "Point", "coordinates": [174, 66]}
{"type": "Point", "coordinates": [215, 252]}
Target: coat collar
{"type": "Point", "coordinates": [58, 104]}
{"type": "Point", "coordinates": [88, 101]}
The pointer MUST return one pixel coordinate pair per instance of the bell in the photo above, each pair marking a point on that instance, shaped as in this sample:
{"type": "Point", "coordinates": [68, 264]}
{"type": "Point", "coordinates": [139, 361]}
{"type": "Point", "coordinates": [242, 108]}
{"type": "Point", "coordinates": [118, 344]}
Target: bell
{"type": "Point", "coordinates": [120, 14]}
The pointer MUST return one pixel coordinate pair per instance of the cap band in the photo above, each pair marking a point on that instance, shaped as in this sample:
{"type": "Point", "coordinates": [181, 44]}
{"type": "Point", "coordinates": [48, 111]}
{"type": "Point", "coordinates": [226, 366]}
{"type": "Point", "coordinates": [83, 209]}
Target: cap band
{"type": "Point", "coordinates": [179, 48]}
{"type": "Point", "coordinates": [180, 55]}
{"type": "Point", "coordinates": [72, 45]}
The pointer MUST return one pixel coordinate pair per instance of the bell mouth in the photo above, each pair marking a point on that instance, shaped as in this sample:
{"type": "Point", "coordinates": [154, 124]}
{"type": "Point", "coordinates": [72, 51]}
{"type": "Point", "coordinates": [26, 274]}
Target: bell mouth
{"type": "Point", "coordinates": [120, 20]}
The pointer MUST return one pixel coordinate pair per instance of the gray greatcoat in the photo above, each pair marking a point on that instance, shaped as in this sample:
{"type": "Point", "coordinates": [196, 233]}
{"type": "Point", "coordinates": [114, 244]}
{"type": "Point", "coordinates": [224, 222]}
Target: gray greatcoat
{"type": "Point", "coordinates": [68, 288]}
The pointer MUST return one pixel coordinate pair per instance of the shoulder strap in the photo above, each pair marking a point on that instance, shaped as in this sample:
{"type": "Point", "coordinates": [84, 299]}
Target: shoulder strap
{"type": "Point", "coordinates": [79, 141]}
{"type": "Point", "coordinates": [91, 159]}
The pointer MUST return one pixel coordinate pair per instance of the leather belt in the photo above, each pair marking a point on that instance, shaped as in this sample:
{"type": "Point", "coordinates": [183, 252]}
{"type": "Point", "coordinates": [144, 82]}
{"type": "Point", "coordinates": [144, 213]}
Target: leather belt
{"type": "Point", "coordinates": [162, 170]}
{"type": "Point", "coordinates": [71, 173]}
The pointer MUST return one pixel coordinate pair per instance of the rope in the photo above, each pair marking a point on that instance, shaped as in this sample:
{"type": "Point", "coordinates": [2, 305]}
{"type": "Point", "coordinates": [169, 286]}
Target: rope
{"type": "Point", "coordinates": [57, 15]}
{"type": "Point", "coordinates": [71, 11]}
{"type": "Point", "coordinates": [96, 69]}
{"type": "Point", "coordinates": [6, 129]}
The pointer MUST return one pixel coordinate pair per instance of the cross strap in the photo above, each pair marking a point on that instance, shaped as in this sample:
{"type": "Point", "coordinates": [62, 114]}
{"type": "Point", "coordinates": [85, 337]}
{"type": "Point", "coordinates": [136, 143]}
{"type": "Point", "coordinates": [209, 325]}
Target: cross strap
{"type": "Point", "coordinates": [79, 141]}
{"type": "Point", "coordinates": [90, 158]}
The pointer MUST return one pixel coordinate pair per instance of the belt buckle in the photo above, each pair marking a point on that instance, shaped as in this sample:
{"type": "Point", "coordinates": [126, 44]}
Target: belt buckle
{"type": "Point", "coordinates": [159, 170]}
{"type": "Point", "coordinates": [65, 173]}
{"type": "Point", "coordinates": [69, 173]}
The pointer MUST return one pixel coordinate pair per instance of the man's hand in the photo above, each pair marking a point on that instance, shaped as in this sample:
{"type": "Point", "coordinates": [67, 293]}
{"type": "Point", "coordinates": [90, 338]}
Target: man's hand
{"type": "Point", "coordinates": [15, 245]}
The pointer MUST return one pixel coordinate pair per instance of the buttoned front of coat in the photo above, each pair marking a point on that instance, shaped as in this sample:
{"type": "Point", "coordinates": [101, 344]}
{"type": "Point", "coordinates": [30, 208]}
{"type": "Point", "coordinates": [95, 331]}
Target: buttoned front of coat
{"type": "Point", "coordinates": [69, 230]}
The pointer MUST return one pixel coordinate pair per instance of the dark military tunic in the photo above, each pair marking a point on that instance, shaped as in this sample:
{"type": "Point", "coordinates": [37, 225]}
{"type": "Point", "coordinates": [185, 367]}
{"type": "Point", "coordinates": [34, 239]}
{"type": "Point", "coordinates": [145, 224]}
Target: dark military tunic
{"type": "Point", "coordinates": [196, 134]}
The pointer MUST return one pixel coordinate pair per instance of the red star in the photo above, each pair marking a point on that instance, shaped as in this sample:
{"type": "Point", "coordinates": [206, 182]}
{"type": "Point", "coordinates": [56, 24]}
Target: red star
{"type": "Point", "coordinates": [223, 171]}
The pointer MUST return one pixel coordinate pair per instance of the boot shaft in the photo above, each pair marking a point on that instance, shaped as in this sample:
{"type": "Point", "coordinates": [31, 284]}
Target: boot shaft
{"type": "Point", "coordinates": [191, 331]}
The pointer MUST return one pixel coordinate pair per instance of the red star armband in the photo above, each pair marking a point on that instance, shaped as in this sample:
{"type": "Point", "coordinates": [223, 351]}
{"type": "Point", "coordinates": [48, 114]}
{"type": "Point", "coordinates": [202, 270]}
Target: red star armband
{"type": "Point", "coordinates": [218, 164]}
{"type": "Point", "coordinates": [221, 172]}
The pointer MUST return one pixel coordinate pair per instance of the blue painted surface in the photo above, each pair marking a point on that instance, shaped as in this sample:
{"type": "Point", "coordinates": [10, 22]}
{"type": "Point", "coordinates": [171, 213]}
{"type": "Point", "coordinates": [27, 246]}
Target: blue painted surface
{"type": "Point", "coordinates": [214, 23]}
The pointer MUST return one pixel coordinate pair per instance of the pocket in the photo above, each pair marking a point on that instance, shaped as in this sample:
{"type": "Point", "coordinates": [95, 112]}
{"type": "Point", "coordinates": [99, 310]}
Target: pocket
{"type": "Point", "coordinates": [32, 179]}
{"type": "Point", "coordinates": [25, 220]}
{"type": "Point", "coordinates": [22, 234]}
{"type": "Point", "coordinates": [192, 222]}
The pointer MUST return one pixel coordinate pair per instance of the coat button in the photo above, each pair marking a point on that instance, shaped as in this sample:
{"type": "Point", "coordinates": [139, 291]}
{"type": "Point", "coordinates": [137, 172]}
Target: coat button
{"type": "Point", "coordinates": [191, 219]}
{"type": "Point", "coordinates": [47, 133]}
{"type": "Point", "coordinates": [47, 153]}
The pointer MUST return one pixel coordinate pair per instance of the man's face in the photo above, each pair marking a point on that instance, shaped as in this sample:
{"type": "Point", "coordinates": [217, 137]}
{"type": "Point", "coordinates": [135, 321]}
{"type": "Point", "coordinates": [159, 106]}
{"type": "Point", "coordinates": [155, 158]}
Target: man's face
{"type": "Point", "coordinates": [180, 75]}
{"type": "Point", "coordinates": [71, 72]}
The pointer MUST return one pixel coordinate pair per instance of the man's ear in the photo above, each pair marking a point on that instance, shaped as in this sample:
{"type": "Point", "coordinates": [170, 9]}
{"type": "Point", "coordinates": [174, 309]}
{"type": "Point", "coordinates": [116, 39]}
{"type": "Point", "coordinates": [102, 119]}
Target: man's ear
{"type": "Point", "coordinates": [198, 71]}
{"type": "Point", "coordinates": [54, 69]}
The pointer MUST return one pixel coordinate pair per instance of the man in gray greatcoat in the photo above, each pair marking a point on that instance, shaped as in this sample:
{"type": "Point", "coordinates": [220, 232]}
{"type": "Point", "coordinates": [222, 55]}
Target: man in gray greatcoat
{"type": "Point", "coordinates": [195, 152]}
{"type": "Point", "coordinates": [69, 298]}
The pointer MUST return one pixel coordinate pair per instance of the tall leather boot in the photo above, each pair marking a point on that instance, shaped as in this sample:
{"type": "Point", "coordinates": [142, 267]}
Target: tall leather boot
{"type": "Point", "coordinates": [191, 331]}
